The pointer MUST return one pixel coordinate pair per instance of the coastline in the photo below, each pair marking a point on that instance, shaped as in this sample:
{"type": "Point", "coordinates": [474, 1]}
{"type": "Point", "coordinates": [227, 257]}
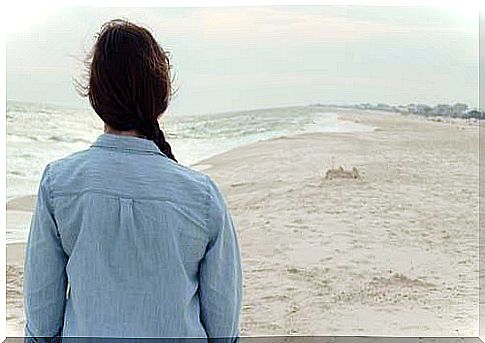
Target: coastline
{"type": "Point", "coordinates": [392, 253]}
{"type": "Point", "coordinates": [398, 246]}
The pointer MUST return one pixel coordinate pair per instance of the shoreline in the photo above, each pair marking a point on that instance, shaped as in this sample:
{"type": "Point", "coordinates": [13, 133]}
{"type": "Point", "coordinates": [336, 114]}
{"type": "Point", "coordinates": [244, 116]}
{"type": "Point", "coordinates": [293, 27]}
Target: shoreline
{"type": "Point", "coordinates": [20, 208]}
{"type": "Point", "coordinates": [397, 246]}
{"type": "Point", "coordinates": [353, 116]}
{"type": "Point", "coordinates": [25, 203]}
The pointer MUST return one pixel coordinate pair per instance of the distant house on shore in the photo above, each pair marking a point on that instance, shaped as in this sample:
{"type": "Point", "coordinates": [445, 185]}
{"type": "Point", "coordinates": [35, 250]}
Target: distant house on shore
{"type": "Point", "coordinates": [441, 110]}
{"type": "Point", "coordinates": [420, 109]}
{"type": "Point", "coordinates": [474, 114]}
{"type": "Point", "coordinates": [459, 110]}
{"type": "Point", "coordinates": [384, 107]}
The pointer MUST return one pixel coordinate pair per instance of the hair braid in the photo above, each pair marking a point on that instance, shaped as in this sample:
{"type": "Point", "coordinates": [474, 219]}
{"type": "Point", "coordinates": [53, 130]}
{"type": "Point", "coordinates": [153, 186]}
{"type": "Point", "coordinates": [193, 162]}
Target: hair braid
{"type": "Point", "coordinates": [151, 130]}
{"type": "Point", "coordinates": [161, 142]}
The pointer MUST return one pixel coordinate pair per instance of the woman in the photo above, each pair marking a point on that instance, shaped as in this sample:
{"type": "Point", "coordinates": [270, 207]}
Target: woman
{"type": "Point", "coordinates": [124, 241]}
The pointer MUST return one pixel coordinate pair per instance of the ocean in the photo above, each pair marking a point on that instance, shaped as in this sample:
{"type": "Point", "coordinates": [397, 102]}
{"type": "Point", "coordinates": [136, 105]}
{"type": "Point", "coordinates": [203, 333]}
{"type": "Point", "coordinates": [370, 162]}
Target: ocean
{"type": "Point", "coordinates": [40, 133]}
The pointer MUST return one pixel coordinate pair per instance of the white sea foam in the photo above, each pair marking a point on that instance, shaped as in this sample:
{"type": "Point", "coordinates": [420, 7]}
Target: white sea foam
{"type": "Point", "coordinates": [38, 134]}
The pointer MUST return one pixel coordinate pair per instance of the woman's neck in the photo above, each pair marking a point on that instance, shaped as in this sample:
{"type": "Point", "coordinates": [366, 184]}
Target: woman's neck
{"type": "Point", "coordinates": [134, 133]}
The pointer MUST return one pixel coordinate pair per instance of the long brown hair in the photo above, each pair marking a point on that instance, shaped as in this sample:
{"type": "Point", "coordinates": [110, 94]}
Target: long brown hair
{"type": "Point", "coordinates": [129, 80]}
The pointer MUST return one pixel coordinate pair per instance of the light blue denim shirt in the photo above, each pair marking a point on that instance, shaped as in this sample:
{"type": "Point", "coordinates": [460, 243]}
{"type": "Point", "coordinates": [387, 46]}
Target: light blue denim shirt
{"type": "Point", "coordinates": [124, 242]}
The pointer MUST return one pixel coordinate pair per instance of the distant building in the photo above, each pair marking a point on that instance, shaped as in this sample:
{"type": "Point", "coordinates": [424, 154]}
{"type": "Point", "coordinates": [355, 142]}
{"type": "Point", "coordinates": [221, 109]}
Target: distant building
{"type": "Point", "coordinates": [458, 110]}
{"type": "Point", "coordinates": [441, 110]}
{"type": "Point", "coordinates": [418, 109]}
{"type": "Point", "coordinates": [402, 108]}
{"type": "Point", "coordinates": [365, 106]}
{"type": "Point", "coordinates": [383, 107]}
{"type": "Point", "coordinates": [474, 114]}
{"type": "Point", "coordinates": [423, 109]}
{"type": "Point", "coordinates": [411, 108]}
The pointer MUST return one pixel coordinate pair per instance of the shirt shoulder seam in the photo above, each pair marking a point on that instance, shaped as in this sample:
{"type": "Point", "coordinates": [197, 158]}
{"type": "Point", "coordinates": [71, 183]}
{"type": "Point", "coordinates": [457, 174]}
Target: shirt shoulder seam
{"type": "Point", "coordinates": [50, 197]}
{"type": "Point", "coordinates": [48, 187]}
{"type": "Point", "coordinates": [207, 207]}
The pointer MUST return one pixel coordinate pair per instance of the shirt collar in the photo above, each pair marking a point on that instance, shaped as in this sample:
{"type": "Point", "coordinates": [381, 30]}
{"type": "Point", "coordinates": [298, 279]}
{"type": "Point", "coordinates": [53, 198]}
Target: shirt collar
{"type": "Point", "coordinates": [129, 143]}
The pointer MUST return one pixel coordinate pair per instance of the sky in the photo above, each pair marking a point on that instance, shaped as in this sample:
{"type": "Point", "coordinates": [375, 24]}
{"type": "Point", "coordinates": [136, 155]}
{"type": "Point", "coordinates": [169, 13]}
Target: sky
{"type": "Point", "coordinates": [238, 58]}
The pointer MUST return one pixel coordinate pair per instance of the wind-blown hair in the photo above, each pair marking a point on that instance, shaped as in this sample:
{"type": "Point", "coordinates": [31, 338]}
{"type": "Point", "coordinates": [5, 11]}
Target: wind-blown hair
{"type": "Point", "coordinates": [129, 80]}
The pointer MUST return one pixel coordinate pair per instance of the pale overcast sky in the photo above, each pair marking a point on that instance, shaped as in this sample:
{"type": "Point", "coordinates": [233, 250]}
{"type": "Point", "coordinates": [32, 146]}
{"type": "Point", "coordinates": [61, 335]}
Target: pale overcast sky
{"type": "Point", "coordinates": [232, 58]}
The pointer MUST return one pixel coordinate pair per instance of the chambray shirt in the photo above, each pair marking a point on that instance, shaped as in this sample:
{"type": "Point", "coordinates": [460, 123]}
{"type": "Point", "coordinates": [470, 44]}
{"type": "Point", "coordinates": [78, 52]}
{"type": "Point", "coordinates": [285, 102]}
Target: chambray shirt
{"type": "Point", "coordinates": [124, 242]}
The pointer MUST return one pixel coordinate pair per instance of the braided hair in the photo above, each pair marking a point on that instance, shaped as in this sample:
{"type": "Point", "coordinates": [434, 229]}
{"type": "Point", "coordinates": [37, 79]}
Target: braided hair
{"type": "Point", "coordinates": [130, 82]}
{"type": "Point", "coordinates": [153, 131]}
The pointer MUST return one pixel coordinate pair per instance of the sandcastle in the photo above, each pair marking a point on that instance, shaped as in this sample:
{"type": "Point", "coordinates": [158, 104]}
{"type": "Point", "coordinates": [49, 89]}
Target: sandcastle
{"type": "Point", "coordinates": [340, 173]}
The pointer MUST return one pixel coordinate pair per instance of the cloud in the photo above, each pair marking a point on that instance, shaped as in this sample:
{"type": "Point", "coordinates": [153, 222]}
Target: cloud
{"type": "Point", "coordinates": [232, 49]}
{"type": "Point", "coordinates": [300, 24]}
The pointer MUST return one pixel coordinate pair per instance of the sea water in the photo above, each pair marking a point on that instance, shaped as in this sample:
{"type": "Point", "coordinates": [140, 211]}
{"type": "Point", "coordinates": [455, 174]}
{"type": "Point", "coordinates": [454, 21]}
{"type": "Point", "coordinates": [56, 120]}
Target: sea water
{"type": "Point", "coordinates": [40, 133]}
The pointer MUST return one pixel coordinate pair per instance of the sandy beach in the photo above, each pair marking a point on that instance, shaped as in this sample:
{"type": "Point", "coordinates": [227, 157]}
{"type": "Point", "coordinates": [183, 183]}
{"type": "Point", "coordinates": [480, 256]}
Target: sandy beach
{"type": "Point", "coordinates": [392, 252]}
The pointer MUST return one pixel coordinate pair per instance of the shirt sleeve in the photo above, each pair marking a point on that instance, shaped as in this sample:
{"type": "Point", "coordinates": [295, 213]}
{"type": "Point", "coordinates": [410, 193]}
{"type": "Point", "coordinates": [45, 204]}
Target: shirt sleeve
{"type": "Point", "coordinates": [45, 279]}
{"type": "Point", "coordinates": [220, 273]}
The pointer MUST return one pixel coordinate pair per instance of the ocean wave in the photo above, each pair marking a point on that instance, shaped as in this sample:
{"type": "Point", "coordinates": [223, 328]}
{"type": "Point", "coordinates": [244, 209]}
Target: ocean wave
{"type": "Point", "coordinates": [11, 138]}
{"type": "Point", "coordinates": [68, 139]}
{"type": "Point", "coordinates": [37, 133]}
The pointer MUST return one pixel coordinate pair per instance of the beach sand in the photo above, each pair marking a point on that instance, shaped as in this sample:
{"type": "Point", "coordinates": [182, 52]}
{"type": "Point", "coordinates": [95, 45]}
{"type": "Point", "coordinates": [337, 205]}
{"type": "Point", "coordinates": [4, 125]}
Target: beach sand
{"type": "Point", "coordinates": [14, 307]}
{"type": "Point", "coordinates": [393, 252]}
